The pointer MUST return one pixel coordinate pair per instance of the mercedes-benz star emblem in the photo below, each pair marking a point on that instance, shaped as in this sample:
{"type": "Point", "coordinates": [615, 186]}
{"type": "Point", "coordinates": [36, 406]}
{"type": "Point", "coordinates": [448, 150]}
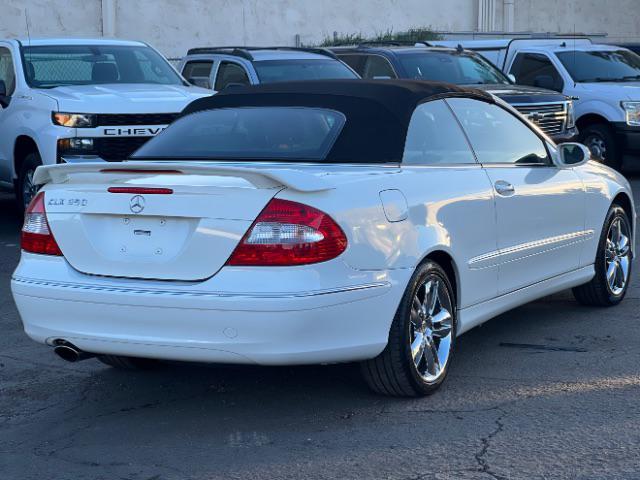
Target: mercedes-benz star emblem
{"type": "Point", "coordinates": [136, 204]}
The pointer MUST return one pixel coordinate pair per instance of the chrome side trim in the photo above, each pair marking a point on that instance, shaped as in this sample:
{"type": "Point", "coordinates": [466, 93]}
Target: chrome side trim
{"type": "Point", "coordinates": [192, 293]}
{"type": "Point", "coordinates": [528, 249]}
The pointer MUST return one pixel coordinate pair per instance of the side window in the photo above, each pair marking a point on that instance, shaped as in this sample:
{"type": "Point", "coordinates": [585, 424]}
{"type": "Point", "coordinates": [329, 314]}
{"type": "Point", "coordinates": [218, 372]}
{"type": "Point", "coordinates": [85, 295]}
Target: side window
{"type": "Point", "coordinates": [536, 69]}
{"type": "Point", "coordinates": [7, 73]}
{"type": "Point", "coordinates": [434, 137]}
{"type": "Point", "coordinates": [356, 62]}
{"type": "Point", "coordinates": [497, 136]}
{"type": "Point", "coordinates": [230, 73]}
{"type": "Point", "coordinates": [377, 66]}
{"type": "Point", "coordinates": [198, 72]}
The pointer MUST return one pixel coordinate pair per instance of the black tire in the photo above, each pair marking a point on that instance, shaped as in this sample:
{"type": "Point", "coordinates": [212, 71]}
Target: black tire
{"type": "Point", "coordinates": [600, 139]}
{"type": "Point", "coordinates": [393, 372]}
{"type": "Point", "coordinates": [128, 363]}
{"type": "Point", "coordinates": [597, 292]}
{"type": "Point", "coordinates": [29, 165]}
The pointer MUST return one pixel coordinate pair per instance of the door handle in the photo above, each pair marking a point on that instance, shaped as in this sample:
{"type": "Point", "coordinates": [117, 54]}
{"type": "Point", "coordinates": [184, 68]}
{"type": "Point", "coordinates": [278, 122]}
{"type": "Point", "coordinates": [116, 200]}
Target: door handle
{"type": "Point", "coordinates": [504, 188]}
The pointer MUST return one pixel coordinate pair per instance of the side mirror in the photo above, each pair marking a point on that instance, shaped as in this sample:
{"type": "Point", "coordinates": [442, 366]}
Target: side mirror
{"type": "Point", "coordinates": [512, 77]}
{"type": "Point", "coordinates": [572, 155]}
{"type": "Point", "coordinates": [544, 81]}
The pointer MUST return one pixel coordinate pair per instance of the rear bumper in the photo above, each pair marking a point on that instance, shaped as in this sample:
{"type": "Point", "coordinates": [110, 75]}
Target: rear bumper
{"type": "Point", "coordinates": [199, 323]}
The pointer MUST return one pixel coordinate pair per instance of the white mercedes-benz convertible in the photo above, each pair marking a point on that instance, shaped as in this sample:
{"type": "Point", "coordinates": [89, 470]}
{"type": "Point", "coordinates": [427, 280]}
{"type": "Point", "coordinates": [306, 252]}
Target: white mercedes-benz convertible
{"type": "Point", "coordinates": [320, 222]}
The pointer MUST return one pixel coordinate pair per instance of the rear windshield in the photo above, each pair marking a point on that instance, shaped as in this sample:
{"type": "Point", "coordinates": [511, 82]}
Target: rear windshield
{"type": "Point", "coordinates": [248, 133]}
{"type": "Point", "coordinates": [601, 66]}
{"type": "Point", "coordinates": [53, 66]}
{"type": "Point", "coordinates": [270, 71]}
{"type": "Point", "coordinates": [456, 68]}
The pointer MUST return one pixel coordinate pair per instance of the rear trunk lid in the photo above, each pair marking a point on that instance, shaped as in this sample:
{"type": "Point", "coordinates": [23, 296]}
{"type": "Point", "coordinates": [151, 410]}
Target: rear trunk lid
{"type": "Point", "coordinates": [159, 221]}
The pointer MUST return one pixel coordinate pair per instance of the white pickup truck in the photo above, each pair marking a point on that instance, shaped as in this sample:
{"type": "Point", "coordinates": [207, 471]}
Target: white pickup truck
{"type": "Point", "coordinates": [604, 81]}
{"type": "Point", "coordinates": [64, 100]}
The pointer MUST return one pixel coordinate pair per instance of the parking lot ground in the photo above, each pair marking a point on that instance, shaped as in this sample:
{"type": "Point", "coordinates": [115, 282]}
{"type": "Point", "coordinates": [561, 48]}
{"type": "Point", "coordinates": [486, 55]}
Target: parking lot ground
{"type": "Point", "coordinates": [550, 390]}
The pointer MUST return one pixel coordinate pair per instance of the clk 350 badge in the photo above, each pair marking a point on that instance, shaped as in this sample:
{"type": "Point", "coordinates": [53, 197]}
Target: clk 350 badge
{"type": "Point", "coordinates": [69, 202]}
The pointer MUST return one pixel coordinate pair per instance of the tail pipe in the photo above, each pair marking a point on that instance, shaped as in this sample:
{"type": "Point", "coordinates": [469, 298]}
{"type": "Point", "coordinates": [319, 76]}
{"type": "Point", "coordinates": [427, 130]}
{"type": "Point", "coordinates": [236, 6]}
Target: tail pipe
{"type": "Point", "coordinates": [69, 352]}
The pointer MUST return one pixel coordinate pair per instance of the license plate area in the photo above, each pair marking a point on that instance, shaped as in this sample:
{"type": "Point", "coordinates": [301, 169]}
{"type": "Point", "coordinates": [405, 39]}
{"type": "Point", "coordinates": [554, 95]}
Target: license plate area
{"type": "Point", "coordinates": [136, 237]}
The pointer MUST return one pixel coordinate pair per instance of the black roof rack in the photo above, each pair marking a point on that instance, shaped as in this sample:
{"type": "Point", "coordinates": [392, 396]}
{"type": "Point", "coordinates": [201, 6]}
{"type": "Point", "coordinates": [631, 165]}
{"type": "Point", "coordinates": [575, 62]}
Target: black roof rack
{"type": "Point", "coordinates": [245, 52]}
{"type": "Point", "coordinates": [393, 43]}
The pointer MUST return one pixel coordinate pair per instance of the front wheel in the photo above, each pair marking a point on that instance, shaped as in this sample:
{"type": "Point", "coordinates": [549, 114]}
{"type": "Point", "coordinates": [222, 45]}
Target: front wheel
{"type": "Point", "coordinates": [416, 359]}
{"type": "Point", "coordinates": [601, 141]}
{"type": "Point", "coordinates": [613, 263]}
{"type": "Point", "coordinates": [26, 189]}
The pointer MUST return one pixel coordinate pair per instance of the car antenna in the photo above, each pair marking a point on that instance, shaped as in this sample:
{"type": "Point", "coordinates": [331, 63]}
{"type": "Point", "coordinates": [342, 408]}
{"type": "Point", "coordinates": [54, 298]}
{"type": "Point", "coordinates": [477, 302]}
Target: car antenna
{"type": "Point", "coordinates": [460, 48]}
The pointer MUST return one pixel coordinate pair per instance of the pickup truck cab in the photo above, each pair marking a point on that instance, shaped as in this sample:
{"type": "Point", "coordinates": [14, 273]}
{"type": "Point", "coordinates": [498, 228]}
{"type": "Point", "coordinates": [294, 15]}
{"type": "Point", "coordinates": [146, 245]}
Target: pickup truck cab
{"type": "Point", "coordinates": [71, 100]}
{"type": "Point", "coordinates": [551, 111]}
{"type": "Point", "coordinates": [603, 79]}
{"type": "Point", "coordinates": [219, 67]}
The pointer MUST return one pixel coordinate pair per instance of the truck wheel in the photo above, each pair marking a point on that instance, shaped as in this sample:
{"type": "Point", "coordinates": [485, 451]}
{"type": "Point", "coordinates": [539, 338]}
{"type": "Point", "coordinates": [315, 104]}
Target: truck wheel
{"type": "Point", "coordinates": [416, 359]}
{"type": "Point", "coordinates": [599, 138]}
{"type": "Point", "coordinates": [25, 188]}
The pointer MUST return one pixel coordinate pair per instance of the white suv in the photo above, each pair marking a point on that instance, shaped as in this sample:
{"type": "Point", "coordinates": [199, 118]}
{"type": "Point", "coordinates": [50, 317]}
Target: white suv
{"type": "Point", "coordinates": [221, 67]}
{"type": "Point", "coordinates": [603, 79]}
{"type": "Point", "coordinates": [64, 100]}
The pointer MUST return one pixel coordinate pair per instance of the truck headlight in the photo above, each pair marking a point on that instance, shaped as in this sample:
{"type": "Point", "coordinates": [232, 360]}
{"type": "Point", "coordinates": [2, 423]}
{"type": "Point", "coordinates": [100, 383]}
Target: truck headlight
{"type": "Point", "coordinates": [74, 120]}
{"type": "Point", "coordinates": [571, 116]}
{"type": "Point", "coordinates": [632, 110]}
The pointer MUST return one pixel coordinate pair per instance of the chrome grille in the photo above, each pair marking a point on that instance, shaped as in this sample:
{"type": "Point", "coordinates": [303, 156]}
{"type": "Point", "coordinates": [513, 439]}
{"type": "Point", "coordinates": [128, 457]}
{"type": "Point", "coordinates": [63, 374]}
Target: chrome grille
{"type": "Point", "coordinates": [550, 117]}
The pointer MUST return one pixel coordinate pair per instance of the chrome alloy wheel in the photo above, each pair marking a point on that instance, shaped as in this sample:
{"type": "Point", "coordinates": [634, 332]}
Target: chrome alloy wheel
{"type": "Point", "coordinates": [431, 328]}
{"type": "Point", "coordinates": [617, 256]}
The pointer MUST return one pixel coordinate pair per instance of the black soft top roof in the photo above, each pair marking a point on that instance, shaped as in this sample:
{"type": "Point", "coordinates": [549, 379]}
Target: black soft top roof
{"type": "Point", "coordinates": [377, 112]}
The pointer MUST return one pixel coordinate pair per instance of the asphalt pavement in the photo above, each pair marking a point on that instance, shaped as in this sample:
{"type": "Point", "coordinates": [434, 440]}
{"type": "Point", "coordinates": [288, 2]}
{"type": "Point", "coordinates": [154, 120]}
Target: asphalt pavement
{"type": "Point", "coordinates": [548, 391]}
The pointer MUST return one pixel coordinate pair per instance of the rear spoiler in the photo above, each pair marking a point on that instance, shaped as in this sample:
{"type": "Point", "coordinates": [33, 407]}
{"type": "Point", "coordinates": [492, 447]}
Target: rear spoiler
{"type": "Point", "coordinates": [267, 177]}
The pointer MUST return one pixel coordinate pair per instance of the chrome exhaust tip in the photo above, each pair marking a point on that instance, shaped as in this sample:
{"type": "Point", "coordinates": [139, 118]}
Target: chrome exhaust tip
{"type": "Point", "coordinates": [69, 352]}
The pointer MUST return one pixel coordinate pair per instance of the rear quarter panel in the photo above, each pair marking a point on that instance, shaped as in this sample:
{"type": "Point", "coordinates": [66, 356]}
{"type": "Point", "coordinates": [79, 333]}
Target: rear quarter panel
{"type": "Point", "coordinates": [449, 209]}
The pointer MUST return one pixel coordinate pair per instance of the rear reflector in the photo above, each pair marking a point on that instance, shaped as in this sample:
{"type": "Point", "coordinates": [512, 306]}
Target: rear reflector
{"type": "Point", "coordinates": [140, 190]}
{"type": "Point", "coordinates": [36, 236]}
{"type": "Point", "coordinates": [289, 233]}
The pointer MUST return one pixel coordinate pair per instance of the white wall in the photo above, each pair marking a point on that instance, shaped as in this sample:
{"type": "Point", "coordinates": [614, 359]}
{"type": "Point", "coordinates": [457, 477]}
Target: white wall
{"type": "Point", "coordinates": [619, 18]}
{"type": "Point", "coordinates": [181, 23]}
{"type": "Point", "coordinates": [50, 18]}
{"type": "Point", "coordinates": [175, 25]}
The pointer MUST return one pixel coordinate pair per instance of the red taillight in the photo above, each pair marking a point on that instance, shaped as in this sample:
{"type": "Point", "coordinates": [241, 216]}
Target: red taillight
{"type": "Point", "coordinates": [289, 233]}
{"type": "Point", "coordinates": [36, 236]}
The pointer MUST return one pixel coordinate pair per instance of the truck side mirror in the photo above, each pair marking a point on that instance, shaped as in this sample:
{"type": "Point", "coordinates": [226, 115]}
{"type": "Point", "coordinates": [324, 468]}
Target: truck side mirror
{"type": "Point", "coordinates": [544, 81]}
{"type": "Point", "coordinates": [512, 77]}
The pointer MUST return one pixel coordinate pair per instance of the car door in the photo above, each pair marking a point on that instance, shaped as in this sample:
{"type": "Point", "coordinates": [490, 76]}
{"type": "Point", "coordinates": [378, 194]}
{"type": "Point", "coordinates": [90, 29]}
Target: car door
{"type": "Point", "coordinates": [8, 77]}
{"type": "Point", "coordinates": [230, 73]}
{"type": "Point", "coordinates": [198, 72]}
{"type": "Point", "coordinates": [451, 197]}
{"type": "Point", "coordinates": [540, 208]}
{"type": "Point", "coordinates": [536, 70]}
